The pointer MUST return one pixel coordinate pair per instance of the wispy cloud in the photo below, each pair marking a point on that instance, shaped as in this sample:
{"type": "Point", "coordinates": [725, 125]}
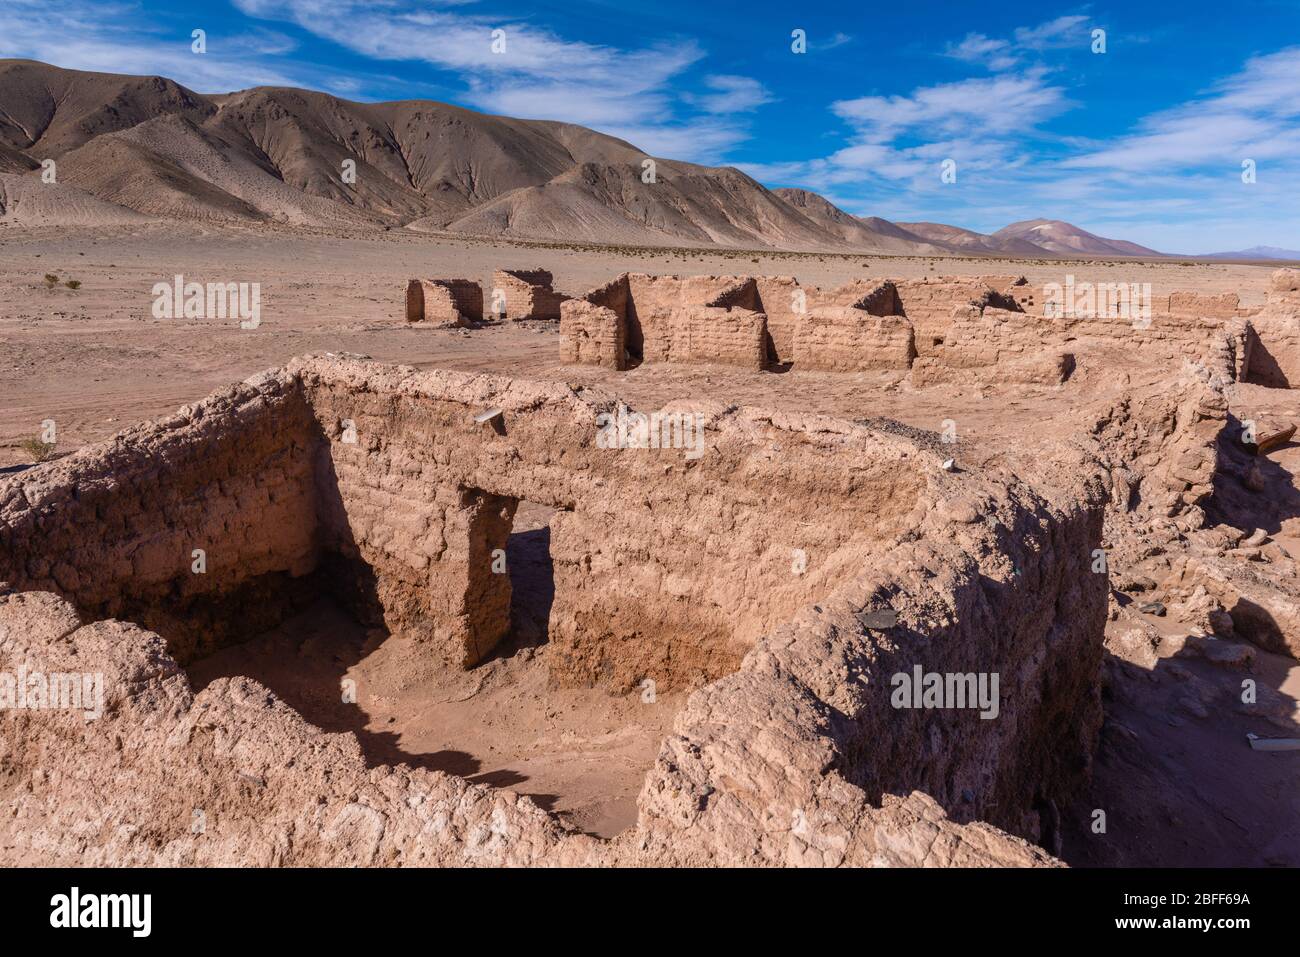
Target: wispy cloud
{"type": "Point", "coordinates": [993, 105]}
{"type": "Point", "coordinates": [731, 94]}
{"type": "Point", "coordinates": [997, 54]}
{"type": "Point", "coordinates": [115, 38]}
{"type": "Point", "coordinates": [518, 68]}
{"type": "Point", "coordinates": [1254, 114]}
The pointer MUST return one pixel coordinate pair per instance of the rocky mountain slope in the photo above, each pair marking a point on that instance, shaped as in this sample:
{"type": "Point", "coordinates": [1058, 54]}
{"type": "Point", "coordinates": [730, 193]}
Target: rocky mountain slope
{"type": "Point", "coordinates": [129, 147]}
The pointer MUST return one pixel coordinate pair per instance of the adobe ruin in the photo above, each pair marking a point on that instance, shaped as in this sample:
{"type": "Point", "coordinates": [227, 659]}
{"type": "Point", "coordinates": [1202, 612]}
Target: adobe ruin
{"type": "Point", "coordinates": [444, 302]}
{"type": "Point", "coordinates": [749, 573]}
{"type": "Point", "coordinates": [783, 576]}
{"type": "Point", "coordinates": [987, 328]}
{"type": "Point", "coordinates": [527, 294]}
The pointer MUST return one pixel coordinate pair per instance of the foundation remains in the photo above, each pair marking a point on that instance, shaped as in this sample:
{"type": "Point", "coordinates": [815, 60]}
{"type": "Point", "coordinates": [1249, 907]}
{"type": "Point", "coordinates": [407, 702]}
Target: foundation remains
{"type": "Point", "coordinates": [783, 572]}
{"type": "Point", "coordinates": [786, 566]}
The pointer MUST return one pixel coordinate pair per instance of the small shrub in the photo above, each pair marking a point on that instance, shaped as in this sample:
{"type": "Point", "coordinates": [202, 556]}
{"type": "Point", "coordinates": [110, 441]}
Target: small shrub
{"type": "Point", "coordinates": [73, 283]}
{"type": "Point", "coordinates": [38, 450]}
{"type": "Point", "coordinates": [51, 280]}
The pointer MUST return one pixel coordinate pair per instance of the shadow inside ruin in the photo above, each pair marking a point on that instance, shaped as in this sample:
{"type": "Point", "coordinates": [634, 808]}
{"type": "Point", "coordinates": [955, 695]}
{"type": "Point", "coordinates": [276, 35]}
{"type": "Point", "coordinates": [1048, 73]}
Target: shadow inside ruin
{"type": "Point", "coordinates": [1175, 781]}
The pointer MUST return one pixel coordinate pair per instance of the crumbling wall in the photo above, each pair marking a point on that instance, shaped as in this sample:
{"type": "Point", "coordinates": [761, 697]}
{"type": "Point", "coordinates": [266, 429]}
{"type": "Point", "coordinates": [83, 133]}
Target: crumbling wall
{"type": "Point", "coordinates": [655, 301]}
{"type": "Point", "coordinates": [707, 334]}
{"type": "Point", "coordinates": [591, 334]}
{"type": "Point", "coordinates": [996, 345]}
{"type": "Point", "coordinates": [843, 339]}
{"type": "Point", "coordinates": [1031, 611]}
{"type": "Point", "coordinates": [1274, 335]}
{"type": "Point", "coordinates": [798, 562]}
{"type": "Point", "coordinates": [875, 296]}
{"type": "Point", "coordinates": [528, 293]}
{"type": "Point", "coordinates": [127, 789]}
{"type": "Point", "coordinates": [200, 526]}
{"type": "Point", "coordinates": [444, 302]}
{"type": "Point", "coordinates": [1198, 305]}
{"type": "Point", "coordinates": [669, 562]}
{"type": "Point", "coordinates": [785, 303]}
{"type": "Point", "coordinates": [931, 304]}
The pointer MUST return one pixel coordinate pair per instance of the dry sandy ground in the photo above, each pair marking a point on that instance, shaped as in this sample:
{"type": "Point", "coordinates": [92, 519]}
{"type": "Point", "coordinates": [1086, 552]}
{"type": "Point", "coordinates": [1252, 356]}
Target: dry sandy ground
{"type": "Point", "coordinates": [1181, 785]}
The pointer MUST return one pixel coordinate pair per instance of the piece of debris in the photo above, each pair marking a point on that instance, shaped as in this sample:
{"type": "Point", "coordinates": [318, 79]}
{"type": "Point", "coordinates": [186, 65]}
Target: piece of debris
{"type": "Point", "coordinates": [878, 619]}
{"type": "Point", "coordinates": [1152, 608]}
{"type": "Point", "coordinates": [1274, 440]}
{"type": "Point", "coordinates": [1257, 538]}
{"type": "Point", "coordinates": [1273, 744]}
{"type": "Point", "coordinates": [949, 465]}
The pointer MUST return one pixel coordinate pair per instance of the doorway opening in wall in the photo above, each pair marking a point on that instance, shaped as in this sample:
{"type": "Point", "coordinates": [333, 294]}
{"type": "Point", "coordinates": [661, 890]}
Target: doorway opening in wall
{"type": "Point", "coordinates": [579, 752]}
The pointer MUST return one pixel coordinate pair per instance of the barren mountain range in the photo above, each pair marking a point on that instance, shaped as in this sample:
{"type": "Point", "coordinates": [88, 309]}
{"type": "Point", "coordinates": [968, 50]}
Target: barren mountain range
{"type": "Point", "coordinates": [129, 148]}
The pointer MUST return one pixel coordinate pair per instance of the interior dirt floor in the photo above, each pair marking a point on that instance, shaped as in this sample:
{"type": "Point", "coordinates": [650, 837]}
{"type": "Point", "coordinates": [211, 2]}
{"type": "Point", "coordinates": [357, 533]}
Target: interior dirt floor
{"type": "Point", "coordinates": [579, 752]}
{"type": "Point", "coordinates": [1174, 773]}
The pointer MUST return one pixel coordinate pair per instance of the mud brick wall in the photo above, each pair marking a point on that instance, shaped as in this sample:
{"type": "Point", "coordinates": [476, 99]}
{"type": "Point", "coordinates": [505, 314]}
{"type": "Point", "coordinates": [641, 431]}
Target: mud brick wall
{"type": "Point", "coordinates": [996, 579]}
{"type": "Point", "coordinates": [653, 301]}
{"type": "Point", "coordinates": [778, 299]}
{"type": "Point", "coordinates": [877, 297]}
{"type": "Point", "coordinates": [995, 345]}
{"type": "Point", "coordinates": [444, 302]}
{"type": "Point", "coordinates": [702, 334]}
{"type": "Point", "coordinates": [841, 339]}
{"type": "Point", "coordinates": [414, 557]}
{"type": "Point", "coordinates": [741, 295]}
{"type": "Point", "coordinates": [592, 335]}
{"type": "Point", "coordinates": [1200, 305]}
{"type": "Point", "coordinates": [1274, 335]}
{"type": "Point", "coordinates": [113, 529]}
{"type": "Point", "coordinates": [160, 744]}
{"type": "Point", "coordinates": [1218, 344]}
{"type": "Point", "coordinates": [665, 567]}
{"type": "Point", "coordinates": [528, 293]}
{"type": "Point", "coordinates": [930, 304]}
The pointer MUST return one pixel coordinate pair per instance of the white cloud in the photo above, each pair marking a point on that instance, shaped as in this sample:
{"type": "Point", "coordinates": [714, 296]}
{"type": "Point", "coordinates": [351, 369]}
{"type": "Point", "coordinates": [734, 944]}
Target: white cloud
{"type": "Point", "coordinates": [732, 94]}
{"type": "Point", "coordinates": [1254, 114]}
{"type": "Point", "coordinates": [985, 106]}
{"type": "Point", "coordinates": [998, 54]}
{"type": "Point", "coordinates": [977, 48]}
{"type": "Point", "coordinates": [535, 73]}
{"type": "Point", "coordinates": [1055, 34]}
{"type": "Point", "coordinates": [838, 39]}
{"type": "Point", "coordinates": [111, 38]}
{"type": "Point", "coordinates": [509, 66]}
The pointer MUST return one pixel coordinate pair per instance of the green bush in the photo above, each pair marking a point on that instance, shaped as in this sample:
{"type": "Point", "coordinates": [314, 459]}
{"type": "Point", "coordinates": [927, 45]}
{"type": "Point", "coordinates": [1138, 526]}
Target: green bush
{"type": "Point", "coordinates": [38, 450]}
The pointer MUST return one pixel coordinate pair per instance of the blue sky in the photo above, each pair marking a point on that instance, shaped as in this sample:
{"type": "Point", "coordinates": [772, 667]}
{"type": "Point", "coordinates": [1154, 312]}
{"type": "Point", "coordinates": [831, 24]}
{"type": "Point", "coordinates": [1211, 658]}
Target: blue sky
{"type": "Point", "coordinates": [1144, 141]}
